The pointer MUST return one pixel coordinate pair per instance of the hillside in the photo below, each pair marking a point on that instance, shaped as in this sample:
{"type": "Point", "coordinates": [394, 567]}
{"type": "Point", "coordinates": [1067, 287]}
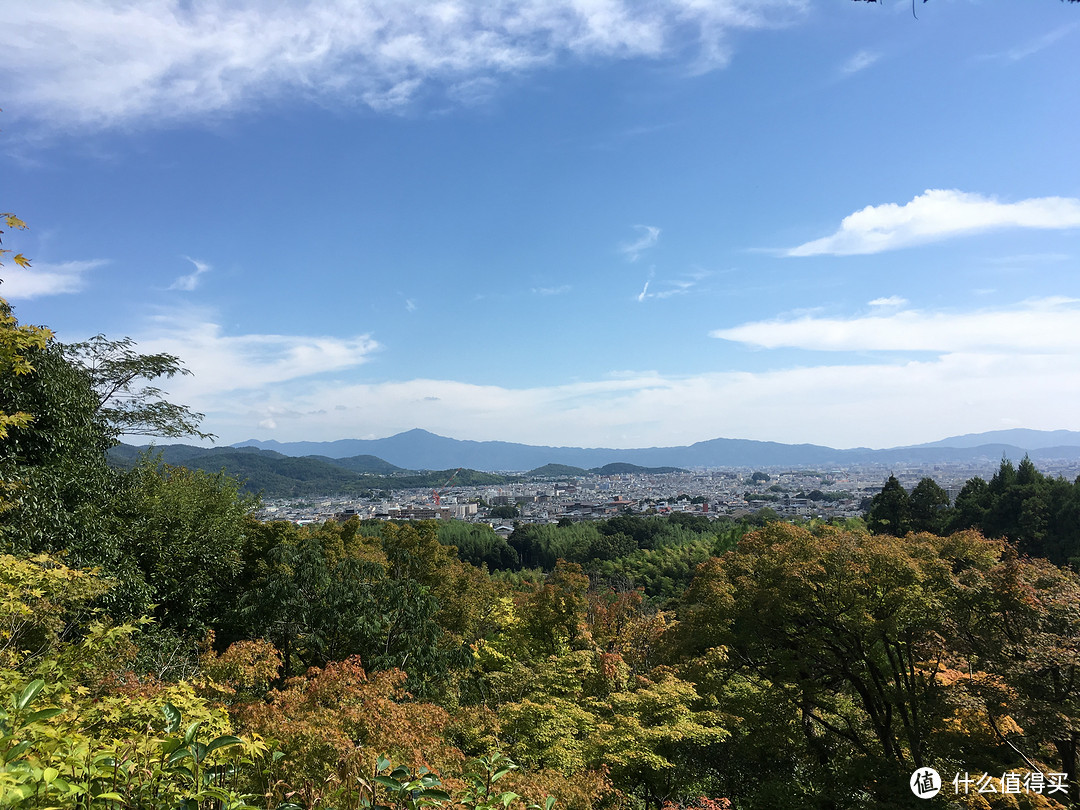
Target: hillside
{"type": "Point", "coordinates": [275, 475]}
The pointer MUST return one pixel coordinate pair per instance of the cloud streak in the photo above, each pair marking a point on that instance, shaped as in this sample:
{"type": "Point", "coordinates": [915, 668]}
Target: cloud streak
{"type": "Point", "coordinates": [859, 61]}
{"type": "Point", "coordinates": [191, 280]}
{"type": "Point", "coordinates": [116, 62]}
{"type": "Point", "coordinates": [936, 215]}
{"type": "Point", "coordinates": [669, 288]}
{"type": "Point", "coordinates": [1034, 46]}
{"type": "Point", "coordinates": [648, 236]}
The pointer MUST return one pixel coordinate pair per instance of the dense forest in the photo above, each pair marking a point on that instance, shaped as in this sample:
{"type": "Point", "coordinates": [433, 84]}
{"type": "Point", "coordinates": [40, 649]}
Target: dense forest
{"type": "Point", "coordinates": [159, 647]}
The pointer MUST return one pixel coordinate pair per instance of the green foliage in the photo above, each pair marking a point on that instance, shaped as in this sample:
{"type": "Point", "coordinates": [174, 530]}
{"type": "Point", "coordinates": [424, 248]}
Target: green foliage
{"type": "Point", "coordinates": [890, 510]}
{"type": "Point", "coordinates": [399, 599]}
{"type": "Point", "coordinates": [928, 505]}
{"type": "Point", "coordinates": [558, 471]}
{"type": "Point", "coordinates": [42, 768]}
{"type": "Point", "coordinates": [655, 734]}
{"type": "Point", "coordinates": [59, 490]}
{"type": "Point", "coordinates": [437, 478]}
{"type": "Point", "coordinates": [477, 544]}
{"type": "Point", "coordinates": [119, 377]}
{"type": "Point", "coordinates": [1040, 514]}
{"type": "Point", "coordinates": [185, 536]}
{"type": "Point", "coordinates": [875, 656]}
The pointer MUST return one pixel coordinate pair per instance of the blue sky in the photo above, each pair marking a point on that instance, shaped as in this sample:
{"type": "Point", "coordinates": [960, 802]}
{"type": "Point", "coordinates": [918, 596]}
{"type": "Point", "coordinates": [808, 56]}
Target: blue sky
{"type": "Point", "coordinates": [574, 222]}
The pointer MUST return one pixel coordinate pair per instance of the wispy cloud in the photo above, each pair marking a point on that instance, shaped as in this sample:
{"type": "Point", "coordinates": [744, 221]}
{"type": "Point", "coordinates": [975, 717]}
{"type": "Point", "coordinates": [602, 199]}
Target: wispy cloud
{"type": "Point", "coordinates": [648, 236]}
{"type": "Point", "coordinates": [546, 291]}
{"type": "Point", "coordinates": [223, 364]}
{"type": "Point", "coordinates": [891, 302]}
{"type": "Point", "coordinates": [1033, 327]}
{"type": "Point", "coordinates": [1033, 46]}
{"type": "Point", "coordinates": [1029, 258]}
{"type": "Point", "coordinates": [668, 288]}
{"type": "Point", "coordinates": [115, 62]}
{"type": "Point", "coordinates": [935, 215]}
{"type": "Point", "coordinates": [46, 279]}
{"type": "Point", "coordinates": [190, 281]}
{"type": "Point", "coordinates": [859, 61]}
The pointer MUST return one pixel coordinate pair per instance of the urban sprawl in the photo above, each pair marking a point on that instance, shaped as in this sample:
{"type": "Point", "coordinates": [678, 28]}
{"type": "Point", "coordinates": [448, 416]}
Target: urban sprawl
{"type": "Point", "coordinates": [717, 492]}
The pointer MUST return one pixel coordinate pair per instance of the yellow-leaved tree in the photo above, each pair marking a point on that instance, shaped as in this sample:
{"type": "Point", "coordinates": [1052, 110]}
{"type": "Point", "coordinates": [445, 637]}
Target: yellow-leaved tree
{"type": "Point", "coordinates": [15, 341]}
{"type": "Point", "coordinates": [15, 338]}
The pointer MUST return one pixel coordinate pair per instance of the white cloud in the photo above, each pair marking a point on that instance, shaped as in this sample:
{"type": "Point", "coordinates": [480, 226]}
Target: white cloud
{"type": "Point", "coordinates": [223, 365]}
{"type": "Point", "coordinates": [877, 405]}
{"type": "Point", "coordinates": [191, 280]}
{"type": "Point", "coordinates": [935, 215]}
{"type": "Point", "coordinates": [294, 387]}
{"type": "Point", "coordinates": [113, 62]}
{"type": "Point", "coordinates": [648, 235]}
{"type": "Point", "coordinates": [1036, 327]}
{"type": "Point", "coordinates": [859, 61]}
{"type": "Point", "coordinates": [892, 302]}
{"type": "Point", "coordinates": [46, 279]}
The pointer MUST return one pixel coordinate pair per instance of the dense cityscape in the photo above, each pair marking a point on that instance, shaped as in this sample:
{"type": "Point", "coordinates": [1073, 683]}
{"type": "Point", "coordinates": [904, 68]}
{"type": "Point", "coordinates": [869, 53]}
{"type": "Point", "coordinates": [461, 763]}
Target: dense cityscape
{"type": "Point", "coordinates": [734, 492]}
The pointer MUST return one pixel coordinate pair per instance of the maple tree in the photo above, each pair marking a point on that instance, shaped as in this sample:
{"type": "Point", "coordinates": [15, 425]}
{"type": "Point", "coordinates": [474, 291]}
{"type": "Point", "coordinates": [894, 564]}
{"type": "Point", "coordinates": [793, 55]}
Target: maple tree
{"type": "Point", "coordinates": [16, 339]}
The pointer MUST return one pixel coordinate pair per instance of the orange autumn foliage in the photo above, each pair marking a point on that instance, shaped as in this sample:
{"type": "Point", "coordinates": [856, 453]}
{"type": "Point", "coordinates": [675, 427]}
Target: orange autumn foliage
{"type": "Point", "coordinates": [331, 724]}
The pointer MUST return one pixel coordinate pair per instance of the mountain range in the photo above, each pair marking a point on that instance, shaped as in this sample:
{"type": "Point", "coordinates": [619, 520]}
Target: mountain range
{"type": "Point", "coordinates": [421, 450]}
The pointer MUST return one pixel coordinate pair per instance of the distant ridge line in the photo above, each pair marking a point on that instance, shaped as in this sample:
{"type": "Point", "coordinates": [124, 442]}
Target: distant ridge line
{"type": "Point", "coordinates": [420, 449]}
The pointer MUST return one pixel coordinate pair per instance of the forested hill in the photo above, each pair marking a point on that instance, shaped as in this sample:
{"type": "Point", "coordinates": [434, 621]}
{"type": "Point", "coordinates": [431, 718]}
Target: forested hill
{"type": "Point", "coordinates": [275, 475]}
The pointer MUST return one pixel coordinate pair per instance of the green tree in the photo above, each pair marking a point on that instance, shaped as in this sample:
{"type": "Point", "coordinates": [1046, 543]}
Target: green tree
{"type": "Point", "coordinates": [1021, 626]}
{"type": "Point", "coordinates": [477, 543]}
{"type": "Point", "coordinates": [890, 510]}
{"type": "Point", "coordinates": [185, 531]}
{"type": "Point", "coordinates": [929, 504]}
{"type": "Point", "coordinates": [120, 376]}
{"type": "Point", "coordinates": [60, 491]}
{"type": "Point", "coordinates": [654, 737]}
{"type": "Point", "coordinates": [323, 594]}
{"type": "Point", "coordinates": [971, 507]}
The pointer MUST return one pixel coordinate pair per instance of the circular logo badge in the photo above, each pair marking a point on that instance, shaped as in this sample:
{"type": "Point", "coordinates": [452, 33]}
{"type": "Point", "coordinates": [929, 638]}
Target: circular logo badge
{"type": "Point", "coordinates": [925, 783]}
